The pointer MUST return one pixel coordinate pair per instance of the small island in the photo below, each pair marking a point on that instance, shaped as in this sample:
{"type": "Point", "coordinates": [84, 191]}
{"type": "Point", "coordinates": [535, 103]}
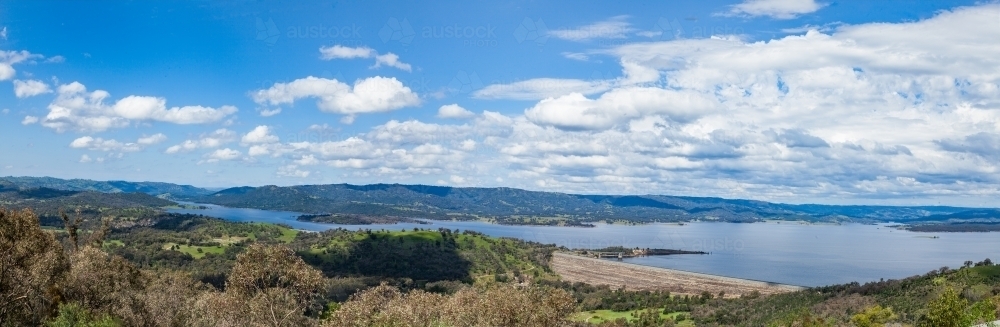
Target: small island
{"type": "Point", "coordinates": [358, 219]}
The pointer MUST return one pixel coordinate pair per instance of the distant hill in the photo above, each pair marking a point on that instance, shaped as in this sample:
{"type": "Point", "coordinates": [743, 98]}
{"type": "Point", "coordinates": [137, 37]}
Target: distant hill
{"type": "Point", "coordinates": [985, 215]}
{"type": "Point", "coordinates": [151, 188]}
{"type": "Point", "coordinates": [443, 202]}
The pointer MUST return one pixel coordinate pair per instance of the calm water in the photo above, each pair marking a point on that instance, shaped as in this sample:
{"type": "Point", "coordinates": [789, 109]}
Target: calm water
{"type": "Point", "coordinates": [807, 255]}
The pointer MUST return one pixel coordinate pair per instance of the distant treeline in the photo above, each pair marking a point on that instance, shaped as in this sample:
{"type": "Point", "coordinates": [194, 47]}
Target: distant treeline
{"type": "Point", "coordinates": [956, 227]}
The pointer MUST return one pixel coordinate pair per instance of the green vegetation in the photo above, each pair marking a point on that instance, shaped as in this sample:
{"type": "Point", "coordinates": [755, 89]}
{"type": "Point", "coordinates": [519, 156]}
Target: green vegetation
{"type": "Point", "coordinates": [601, 316]}
{"type": "Point", "coordinates": [912, 300]}
{"type": "Point", "coordinates": [195, 251]}
{"type": "Point", "coordinates": [423, 255]}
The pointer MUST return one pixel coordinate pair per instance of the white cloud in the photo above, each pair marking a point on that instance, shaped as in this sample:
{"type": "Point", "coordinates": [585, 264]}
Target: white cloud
{"type": "Point", "coordinates": [341, 52]}
{"type": "Point", "coordinates": [30, 88]}
{"type": "Point", "coordinates": [454, 111]}
{"type": "Point", "coordinates": [269, 112]}
{"type": "Point", "coordinates": [28, 120]}
{"type": "Point", "coordinates": [576, 56]}
{"type": "Point", "coordinates": [260, 134]}
{"type": "Point", "coordinates": [258, 150]}
{"type": "Point", "coordinates": [292, 171]}
{"type": "Point", "coordinates": [307, 160]}
{"type": "Point", "coordinates": [76, 109]}
{"type": "Point", "coordinates": [100, 144]}
{"type": "Point", "coordinates": [649, 34]}
{"type": "Point", "coordinates": [373, 94]}
{"type": "Point", "coordinates": [9, 58]}
{"type": "Point", "coordinates": [391, 60]}
{"type": "Point", "coordinates": [225, 154]}
{"type": "Point", "coordinates": [85, 159]}
{"type": "Point", "coordinates": [633, 73]}
{"type": "Point", "coordinates": [3, 33]}
{"type": "Point", "coordinates": [152, 139]}
{"type": "Point", "coordinates": [614, 28]}
{"type": "Point", "coordinates": [152, 108]}
{"type": "Point", "coordinates": [211, 140]}
{"type": "Point", "coordinates": [778, 9]}
{"type": "Point", "coordinates": [541, 88]}
{"type": "Point", "coordinates": [618, 106]}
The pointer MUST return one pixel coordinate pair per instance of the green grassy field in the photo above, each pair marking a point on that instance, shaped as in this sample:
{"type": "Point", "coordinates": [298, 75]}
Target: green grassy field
{"type": "Point", "coordinates": [287, 236]}
{"type": "Point", "coordinates": [194, 250]}
{"type": "Point", "coordinates": [600, 316]}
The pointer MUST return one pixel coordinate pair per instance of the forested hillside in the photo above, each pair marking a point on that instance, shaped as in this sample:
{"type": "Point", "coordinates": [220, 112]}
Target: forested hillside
{"type": "Point", "coordinates": [510, 205]}
{"type": "Point", "coordinates": [152, 188]}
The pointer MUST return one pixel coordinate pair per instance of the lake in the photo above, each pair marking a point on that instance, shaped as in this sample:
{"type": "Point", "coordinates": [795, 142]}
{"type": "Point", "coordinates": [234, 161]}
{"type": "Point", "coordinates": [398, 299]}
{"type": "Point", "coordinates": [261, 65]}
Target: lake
{"type": "Point", "coordinates": [786, 252]}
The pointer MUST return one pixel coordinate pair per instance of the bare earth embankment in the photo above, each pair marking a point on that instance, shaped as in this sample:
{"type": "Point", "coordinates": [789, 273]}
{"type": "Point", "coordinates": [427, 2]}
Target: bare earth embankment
{"type": "Point", "coordinates": [574, 268]}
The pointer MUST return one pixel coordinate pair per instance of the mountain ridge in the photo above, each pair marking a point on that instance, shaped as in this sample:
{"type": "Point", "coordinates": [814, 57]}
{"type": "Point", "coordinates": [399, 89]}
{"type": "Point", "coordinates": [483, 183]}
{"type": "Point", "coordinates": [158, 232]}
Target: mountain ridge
{"type": "Point", "coordinates": [445, 202]}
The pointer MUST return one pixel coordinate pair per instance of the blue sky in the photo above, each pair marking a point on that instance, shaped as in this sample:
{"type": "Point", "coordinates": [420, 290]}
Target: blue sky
{"type": "Point", "coordinates": [890, 102]}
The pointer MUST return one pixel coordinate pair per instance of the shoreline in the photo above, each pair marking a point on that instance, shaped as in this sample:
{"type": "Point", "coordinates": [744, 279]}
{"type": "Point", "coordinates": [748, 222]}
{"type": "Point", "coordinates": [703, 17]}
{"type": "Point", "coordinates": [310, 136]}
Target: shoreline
{"type": "Point", "coordinates": [575, 268]}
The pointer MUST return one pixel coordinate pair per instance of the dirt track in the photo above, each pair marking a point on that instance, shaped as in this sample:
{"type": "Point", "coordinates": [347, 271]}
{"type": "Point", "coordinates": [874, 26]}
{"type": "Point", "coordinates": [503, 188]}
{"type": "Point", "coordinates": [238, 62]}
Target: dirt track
{"type": "Point", "coordinates": [574, 268]}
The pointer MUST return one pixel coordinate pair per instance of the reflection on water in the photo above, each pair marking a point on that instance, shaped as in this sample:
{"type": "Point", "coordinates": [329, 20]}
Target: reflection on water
{"type": "Point", "coordinates": [789, 253]}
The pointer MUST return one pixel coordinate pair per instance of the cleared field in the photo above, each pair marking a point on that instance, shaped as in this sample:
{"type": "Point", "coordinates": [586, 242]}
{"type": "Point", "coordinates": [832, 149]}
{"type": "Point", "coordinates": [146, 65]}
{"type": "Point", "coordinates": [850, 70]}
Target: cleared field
{"type": "Point", "coordinates": [574, 268]}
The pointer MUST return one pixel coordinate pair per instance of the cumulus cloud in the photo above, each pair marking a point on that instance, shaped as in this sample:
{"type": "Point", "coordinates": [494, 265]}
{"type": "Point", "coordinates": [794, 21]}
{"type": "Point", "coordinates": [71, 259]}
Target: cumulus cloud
{"type": "Point", "coordinates": [211, 140]}
{"type": "Point", "coordinates": [28, 120]}
{"type": "Point", "coordinates": [454, 111]}
{"type": "Point", "coordinates": [152, 139]}
{"type": "Point", "coordinates": [292, 171]}
{"type": "Point", "coordinates": [778, 9]}
{"type": "Point", "coordinates": [30, 88]}
{"type": "Point", "coordinates": [260, 134]}
{"type": "Point", "coordinates": [373, 94]}
{"type": "Point", "coordinates": [341, 52]}
{"type": "Point", "coordinates": [614, 28]}
{"type": "Point", "coordinates": [983, 144]}
{"type": "Point", "coordinates": [575, 111]}
{"type": "Point", "coordinates": [633, 73]}
{"type": "Point", "coordinates": [225, 154]}
{"type": "Point", "coordinates": [77, 109]}
{"type": "Point", "coordinates": [541, 88]}
{"type": "Point", "coordinates": [111, 145]}
{"type": "Point", "coordinates": [9, 58]}
{"type": "Point", "coordinates": [391, 60]}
